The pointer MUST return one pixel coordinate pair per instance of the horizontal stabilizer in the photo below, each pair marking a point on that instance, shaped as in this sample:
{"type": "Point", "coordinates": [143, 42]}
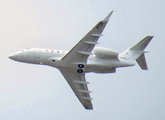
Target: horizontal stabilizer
{"type": "Point", "coordinates": [142, 62]}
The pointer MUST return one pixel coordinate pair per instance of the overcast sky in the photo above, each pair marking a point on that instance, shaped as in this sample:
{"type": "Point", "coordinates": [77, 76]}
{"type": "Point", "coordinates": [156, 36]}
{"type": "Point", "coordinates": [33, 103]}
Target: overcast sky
{"type": "Point", "coordinates": [34, 92]}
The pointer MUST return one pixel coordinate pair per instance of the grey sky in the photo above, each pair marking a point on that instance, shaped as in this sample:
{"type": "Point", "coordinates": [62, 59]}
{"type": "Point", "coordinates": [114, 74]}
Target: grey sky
{"type": "Point", "coordinates": [33, 92]}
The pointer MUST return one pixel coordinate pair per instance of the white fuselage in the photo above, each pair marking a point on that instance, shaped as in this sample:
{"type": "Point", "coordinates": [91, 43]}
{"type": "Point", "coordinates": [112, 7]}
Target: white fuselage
{"type": "Point", "coordinates": [53, 58]}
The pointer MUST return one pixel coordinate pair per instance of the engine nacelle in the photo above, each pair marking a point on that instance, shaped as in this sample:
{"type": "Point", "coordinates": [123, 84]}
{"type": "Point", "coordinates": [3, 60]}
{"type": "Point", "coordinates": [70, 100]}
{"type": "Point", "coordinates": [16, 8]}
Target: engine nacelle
{"type": "Point", "coordinates": [105, 53]}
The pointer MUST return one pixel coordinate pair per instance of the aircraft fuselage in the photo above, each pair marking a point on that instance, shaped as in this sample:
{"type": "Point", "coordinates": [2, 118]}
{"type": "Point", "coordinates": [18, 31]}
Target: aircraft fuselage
{"type": "Point", "coordinates": [53, 58]}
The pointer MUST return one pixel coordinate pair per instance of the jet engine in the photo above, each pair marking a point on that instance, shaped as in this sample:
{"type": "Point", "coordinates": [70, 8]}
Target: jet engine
{"type": "Point", "coordinates": [105, 53]}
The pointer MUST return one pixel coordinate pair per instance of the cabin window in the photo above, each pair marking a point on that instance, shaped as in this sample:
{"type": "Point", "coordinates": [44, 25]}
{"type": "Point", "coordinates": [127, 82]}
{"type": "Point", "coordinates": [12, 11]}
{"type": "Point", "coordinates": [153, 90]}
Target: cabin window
{"type": "Point", "coordinates": [53, 60]}
{"type": "Point", "coordinates": [46, 50]}
{"type": "Point", "coordinates": [57, 51]}
{"type": "Point", "coordinates": [52, 51]}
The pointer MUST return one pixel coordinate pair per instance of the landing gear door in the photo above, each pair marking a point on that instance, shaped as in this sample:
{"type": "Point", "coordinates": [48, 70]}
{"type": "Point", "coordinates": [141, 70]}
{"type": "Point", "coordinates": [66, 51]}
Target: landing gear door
{"type": "Point", "coordinates": [37, 53]}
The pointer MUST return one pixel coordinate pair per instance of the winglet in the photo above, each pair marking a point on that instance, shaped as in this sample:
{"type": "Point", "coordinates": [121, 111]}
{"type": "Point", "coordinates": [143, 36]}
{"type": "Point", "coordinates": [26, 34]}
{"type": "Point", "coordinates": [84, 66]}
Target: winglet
{"type": "Point", "coordinates": [108, 16]}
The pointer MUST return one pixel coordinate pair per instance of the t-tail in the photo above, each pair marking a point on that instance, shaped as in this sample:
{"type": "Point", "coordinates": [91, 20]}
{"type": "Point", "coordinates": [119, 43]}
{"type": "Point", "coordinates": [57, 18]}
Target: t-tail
{"type": "Point", "coordinates": [137, 53]}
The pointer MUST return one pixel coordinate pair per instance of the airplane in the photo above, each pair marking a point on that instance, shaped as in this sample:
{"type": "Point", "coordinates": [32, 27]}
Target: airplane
{"type": "Point", "coordinates": [74, 64]}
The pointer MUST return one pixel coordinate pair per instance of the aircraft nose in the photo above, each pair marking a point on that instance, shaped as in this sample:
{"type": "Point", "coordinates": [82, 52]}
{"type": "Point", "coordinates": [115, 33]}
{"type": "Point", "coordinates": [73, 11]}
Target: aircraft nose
{"type": "Point", "coordinates": [12, 56]}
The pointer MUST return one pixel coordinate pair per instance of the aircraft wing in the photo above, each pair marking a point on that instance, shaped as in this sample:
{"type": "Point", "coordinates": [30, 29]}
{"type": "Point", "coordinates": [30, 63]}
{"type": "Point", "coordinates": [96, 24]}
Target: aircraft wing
{"type": "Point", "coordinates": [81, 51]}
{"type": "Point", "coordinates": [79, 85]}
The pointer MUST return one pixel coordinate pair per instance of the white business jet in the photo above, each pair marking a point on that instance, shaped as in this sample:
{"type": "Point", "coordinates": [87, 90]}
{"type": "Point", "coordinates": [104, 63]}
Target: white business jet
{"type": "Point", "coordinates": [79, 60]}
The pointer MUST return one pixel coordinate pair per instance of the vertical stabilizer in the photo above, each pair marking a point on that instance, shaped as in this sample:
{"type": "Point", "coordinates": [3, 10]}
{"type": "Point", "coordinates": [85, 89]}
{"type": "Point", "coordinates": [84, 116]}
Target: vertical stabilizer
{"type": "Point", "coordinates": [136, 53]}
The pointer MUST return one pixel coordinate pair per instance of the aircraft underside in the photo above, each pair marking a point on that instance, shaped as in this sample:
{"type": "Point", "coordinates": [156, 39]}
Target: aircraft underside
{"type": "Point", "coordinates": [80, 60]}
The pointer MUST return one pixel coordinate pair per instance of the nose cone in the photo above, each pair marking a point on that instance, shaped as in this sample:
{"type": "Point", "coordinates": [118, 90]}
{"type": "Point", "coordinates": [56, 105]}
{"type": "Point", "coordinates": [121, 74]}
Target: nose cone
{"type": "Point", "coordinates": [13, 56]}
{"type": "Point", "coordinates": [10, 56]}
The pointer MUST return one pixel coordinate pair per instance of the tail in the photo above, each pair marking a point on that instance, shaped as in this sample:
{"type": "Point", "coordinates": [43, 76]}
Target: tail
{"type": "Point", "coordinates": [137, 53]}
